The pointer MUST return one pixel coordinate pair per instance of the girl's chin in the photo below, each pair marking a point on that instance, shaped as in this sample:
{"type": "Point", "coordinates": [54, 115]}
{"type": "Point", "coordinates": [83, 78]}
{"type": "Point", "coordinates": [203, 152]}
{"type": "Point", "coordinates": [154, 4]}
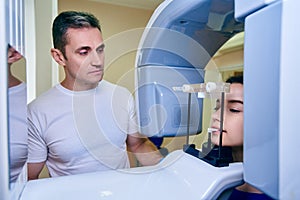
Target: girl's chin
{"type": "Point", "coordinates": [215, 142]}
{"type": "Point", "coordinates": [215, 139]}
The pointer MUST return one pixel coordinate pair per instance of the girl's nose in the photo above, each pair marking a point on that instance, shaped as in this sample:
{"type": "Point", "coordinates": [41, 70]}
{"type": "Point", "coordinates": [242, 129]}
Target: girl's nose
{"type": "Point", "coordinates": [216, 115]}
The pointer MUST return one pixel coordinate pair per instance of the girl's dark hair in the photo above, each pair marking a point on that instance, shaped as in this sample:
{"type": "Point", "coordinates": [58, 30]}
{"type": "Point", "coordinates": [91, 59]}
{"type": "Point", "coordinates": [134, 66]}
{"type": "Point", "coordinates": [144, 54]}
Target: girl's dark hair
{"type": "Point", "coordinates": [235, 79]}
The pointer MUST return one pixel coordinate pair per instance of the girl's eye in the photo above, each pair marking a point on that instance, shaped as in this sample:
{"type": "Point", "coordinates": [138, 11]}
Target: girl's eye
{"type": "Point", "coordinates": [234, 110]}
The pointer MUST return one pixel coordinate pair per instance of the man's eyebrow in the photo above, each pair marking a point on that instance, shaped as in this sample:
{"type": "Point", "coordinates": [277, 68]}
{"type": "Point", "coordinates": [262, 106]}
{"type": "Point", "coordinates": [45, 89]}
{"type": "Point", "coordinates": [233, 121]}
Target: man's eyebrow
{"type": "Point", "coordinates": [83, 48]}
{"type": "Point", "coordinates": [236, 101]}
{"type": "Point", "coordinates": [100, 47]}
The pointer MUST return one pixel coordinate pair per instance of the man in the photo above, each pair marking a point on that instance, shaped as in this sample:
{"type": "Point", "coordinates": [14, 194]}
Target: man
{"type": "Point", "coordinates": [17, 117]}
{"type": "Point", "coordinates": [83, 124]}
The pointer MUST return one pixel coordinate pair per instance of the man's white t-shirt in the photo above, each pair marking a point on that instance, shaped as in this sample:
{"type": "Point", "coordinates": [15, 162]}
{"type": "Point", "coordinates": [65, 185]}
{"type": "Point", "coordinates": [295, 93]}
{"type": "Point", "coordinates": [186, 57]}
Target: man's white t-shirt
{"type": "Point", "coordinates": [78, 132]}
{"type": "Point", "coordinates": [17, 129]}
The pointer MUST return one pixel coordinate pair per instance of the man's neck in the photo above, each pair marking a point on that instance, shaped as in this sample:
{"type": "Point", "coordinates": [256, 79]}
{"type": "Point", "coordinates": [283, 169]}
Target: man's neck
{"type": "Point", "coordinates": [13, 81]}
{"type": "Point", "coordinates": [77, 86]}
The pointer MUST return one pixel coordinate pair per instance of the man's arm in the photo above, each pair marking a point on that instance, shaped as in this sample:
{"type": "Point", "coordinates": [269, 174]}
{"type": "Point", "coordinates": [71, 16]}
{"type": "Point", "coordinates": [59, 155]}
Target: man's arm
{"type": "Point", "coordinates": [34, 170]}
{"type": "Point", "coordinates": [144, 150]}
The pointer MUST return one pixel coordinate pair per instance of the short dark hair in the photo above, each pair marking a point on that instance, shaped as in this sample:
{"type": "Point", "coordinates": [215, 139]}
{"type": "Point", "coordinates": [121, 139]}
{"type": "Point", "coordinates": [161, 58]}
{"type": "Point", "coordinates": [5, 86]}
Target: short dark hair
{"type": "Point", "coordinates": [70, 19]}
{"type": "Point", "coordinates": [235, 79]}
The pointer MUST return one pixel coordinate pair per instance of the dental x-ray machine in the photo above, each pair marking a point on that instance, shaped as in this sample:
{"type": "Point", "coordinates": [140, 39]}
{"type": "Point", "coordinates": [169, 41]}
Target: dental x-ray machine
{"type": "Point", "coordinates": [178, 42]}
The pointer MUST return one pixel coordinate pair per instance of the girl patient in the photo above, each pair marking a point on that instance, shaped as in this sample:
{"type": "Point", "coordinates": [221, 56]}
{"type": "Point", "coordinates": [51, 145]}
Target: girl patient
{"type": "Point", "coordinates": [233, 133]}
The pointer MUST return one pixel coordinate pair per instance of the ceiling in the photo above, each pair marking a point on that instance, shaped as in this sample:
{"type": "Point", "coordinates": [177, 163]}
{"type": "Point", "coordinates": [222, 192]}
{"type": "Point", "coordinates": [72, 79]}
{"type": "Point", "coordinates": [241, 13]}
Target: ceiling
{"type": "Point", "coordinates": [233, 44]}
{"type": "Point", "coordinates": [143, 4]}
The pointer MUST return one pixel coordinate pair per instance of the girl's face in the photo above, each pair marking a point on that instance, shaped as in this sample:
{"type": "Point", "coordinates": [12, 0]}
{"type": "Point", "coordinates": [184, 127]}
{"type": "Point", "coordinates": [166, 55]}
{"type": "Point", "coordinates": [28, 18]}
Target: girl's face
{"type": "Point", "coordinates": [233, 118]}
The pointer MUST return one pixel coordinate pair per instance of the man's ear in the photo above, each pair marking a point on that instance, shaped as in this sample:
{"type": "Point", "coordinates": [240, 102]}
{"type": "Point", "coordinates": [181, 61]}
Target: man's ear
{"type": "Point", "coordinates": [13, 56]}
{"type": "Point", "coordinates": [58, 56]}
